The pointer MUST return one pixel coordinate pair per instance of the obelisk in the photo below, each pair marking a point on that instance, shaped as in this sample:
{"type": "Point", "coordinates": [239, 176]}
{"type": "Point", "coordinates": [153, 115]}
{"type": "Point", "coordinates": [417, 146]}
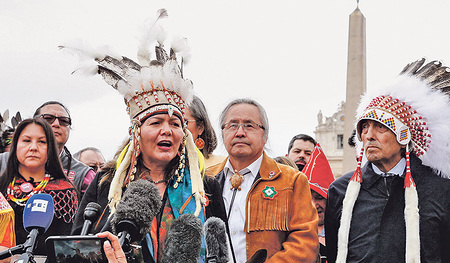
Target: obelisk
{"type": "Point", "coordinates": [356, 80]}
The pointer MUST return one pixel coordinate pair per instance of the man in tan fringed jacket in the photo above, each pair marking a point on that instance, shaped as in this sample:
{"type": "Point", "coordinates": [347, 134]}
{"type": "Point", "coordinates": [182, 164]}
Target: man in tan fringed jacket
{"type": "Point", "coordinates": [268, 204]}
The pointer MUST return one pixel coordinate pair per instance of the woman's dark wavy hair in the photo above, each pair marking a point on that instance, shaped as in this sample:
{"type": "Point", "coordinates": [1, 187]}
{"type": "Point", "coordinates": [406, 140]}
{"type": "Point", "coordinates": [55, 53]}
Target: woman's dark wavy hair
{"type": "Point", "coordinates": [198, 111]}
{"type": "Point", "coordinates": [52, 166]}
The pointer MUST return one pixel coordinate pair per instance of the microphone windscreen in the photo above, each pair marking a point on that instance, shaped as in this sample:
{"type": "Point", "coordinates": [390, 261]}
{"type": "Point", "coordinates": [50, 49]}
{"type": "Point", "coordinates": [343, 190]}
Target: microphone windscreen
{"type": "Point", "coordinates": [184, 240]}
{"type": "Point", "coordinates": [216, 240]}
{"type": "Point", "coordinates": [38, 212]}
{"type": "Point", "coordinates": [140, 203]}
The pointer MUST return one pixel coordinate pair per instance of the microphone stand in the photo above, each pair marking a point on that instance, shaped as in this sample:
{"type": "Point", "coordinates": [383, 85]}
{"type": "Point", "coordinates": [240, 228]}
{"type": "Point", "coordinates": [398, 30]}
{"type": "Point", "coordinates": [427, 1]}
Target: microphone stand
{"type": "Point", "coordinates": [29, 245]}
{"type": "Point", "coordinates": [12, 251]}
{"type": "Point", "coordinates": [125, 237]}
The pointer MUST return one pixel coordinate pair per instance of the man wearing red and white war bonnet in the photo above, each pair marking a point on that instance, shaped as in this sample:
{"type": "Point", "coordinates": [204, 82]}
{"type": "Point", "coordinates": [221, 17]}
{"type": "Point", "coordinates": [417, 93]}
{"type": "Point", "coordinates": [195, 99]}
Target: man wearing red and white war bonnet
{"type": "Point", "coordinates": [396, 208]}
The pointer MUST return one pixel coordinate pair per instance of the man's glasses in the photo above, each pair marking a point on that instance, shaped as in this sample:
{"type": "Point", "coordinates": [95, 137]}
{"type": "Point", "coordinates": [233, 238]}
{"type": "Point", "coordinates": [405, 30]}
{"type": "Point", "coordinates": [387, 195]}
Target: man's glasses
{"type": "Point", "coordinates": [63, 121]}
{"type": "Point", "coordinates": [247, 126]}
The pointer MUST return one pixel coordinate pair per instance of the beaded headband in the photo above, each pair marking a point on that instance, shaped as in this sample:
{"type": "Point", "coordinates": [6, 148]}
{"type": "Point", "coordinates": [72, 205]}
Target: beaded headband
{"type": "Point", "coordinates": [415, 108]}
{"type": "Point", "coordinates": [152, 86]}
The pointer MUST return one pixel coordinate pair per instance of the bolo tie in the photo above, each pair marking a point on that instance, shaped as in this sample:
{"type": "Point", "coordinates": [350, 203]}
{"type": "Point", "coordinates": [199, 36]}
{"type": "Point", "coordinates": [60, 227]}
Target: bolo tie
{"type": "Point", "coordinates": [236, 181]}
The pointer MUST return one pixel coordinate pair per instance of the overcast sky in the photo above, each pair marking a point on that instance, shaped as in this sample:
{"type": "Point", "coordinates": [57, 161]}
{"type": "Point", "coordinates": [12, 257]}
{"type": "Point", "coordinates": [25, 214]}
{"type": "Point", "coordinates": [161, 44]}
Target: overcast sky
{"type": "Point", "coordinates": [291, 56]}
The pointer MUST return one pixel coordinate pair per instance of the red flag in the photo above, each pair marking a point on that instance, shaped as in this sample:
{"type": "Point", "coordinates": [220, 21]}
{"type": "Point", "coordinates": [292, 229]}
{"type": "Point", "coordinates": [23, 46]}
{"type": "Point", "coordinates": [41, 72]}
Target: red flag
{"type": "Point", "coordinates": [319, 172]}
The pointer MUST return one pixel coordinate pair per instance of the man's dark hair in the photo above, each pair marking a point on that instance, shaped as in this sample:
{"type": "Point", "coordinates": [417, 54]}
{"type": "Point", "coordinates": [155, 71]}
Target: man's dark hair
{"type": "Point", "coordinates": [52, 102]}
{"type": "Point", "coordinates": [303, 137]}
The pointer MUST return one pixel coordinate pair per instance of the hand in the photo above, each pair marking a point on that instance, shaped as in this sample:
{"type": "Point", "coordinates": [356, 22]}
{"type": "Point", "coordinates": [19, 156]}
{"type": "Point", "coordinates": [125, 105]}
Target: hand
{"type": "Point", "coordinates": [115, 253]}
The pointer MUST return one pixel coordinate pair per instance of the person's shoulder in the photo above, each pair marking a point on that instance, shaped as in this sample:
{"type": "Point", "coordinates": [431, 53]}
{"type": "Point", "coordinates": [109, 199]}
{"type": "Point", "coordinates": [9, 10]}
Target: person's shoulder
{"type": "Point", "coordinates": [213, 170]}
{"type": "Point", "coordinates": [342, 181]}
{"type": "Point", "coordinates": [287, 170]}
{"type": "Point", "coordinates": [59, 184]}
{"type": "Point", "coordinates": [426, 178]}
{"type": "Point", "coordinates": [4, 155]}
{"type": "Point", "coordinates": [80, 165]}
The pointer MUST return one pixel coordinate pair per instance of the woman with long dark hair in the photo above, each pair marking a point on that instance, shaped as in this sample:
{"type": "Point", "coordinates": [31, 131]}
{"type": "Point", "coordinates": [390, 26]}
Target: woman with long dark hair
{"type": "Point", "coordinates": [160, 149]}
{"type": "Point", "coordinates": [34, 167]}
{"type": "Point", "coordinates": [202, 131]}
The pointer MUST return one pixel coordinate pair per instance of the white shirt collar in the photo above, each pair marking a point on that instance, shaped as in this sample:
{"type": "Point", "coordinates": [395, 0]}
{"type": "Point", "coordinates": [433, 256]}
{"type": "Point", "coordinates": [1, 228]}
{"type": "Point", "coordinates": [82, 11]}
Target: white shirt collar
{"type": "Point", "coordinates": [398, 168]}
{"type": "Point", "coordinates": [253, 167]}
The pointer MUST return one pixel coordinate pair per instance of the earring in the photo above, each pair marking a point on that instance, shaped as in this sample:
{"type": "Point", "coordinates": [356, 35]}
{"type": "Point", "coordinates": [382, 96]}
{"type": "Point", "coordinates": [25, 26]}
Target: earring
{"type": "Point", "coordinates": [200, 143]}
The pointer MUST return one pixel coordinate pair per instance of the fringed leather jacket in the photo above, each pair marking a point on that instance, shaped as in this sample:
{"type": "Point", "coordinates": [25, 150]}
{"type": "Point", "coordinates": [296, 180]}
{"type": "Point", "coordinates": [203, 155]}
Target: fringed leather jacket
{"type": "Point", "coordinates": [279, 214]}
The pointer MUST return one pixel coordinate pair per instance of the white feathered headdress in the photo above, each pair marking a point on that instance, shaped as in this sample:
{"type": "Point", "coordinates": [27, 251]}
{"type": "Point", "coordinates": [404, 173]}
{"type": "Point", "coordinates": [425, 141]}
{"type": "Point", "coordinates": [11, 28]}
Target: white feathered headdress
{"type": "Point", "coordinates": [149, 87]}
{"type": "Point", "coordinates": [415, 108]}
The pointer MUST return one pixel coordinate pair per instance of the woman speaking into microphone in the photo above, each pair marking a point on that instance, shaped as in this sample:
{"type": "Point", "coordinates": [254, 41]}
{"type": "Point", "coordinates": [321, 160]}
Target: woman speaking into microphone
{"type": "Point", "coordinates": [160, 149]}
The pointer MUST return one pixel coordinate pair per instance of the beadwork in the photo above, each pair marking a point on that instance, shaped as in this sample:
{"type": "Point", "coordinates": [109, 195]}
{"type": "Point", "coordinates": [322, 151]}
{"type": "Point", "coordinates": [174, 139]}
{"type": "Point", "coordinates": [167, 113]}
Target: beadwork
{"type": "Point", "coordinates": [22, 201]}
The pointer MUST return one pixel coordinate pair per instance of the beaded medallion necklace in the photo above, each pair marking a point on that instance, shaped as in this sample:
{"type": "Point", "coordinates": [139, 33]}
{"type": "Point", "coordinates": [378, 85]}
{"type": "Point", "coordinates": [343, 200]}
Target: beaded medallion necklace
{"type": "Point", "coordinates": [22, 201]}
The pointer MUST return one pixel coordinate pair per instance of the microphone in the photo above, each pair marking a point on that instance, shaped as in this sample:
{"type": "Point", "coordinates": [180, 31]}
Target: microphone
{"type": "Point", "coordinates": [134, 214]}
{"type": "Point", "coordinates": [37, 218]}
{"type": "Point", "coordinates": [184, 240]}
{"type": "Point", "coordinates": [91, 213]}
{"type": "Point", "coordinates": [216, 240]}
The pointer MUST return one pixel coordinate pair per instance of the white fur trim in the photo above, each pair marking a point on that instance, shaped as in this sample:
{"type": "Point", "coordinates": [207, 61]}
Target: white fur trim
{"type": "Point", "coordinates": [115, 190]}
{"type": "Point", "coordinates": [196, 176]}
{"type": "Point", "coordinates": [346, 218]}
{"type": "Point", "coordinates": [412, 225]}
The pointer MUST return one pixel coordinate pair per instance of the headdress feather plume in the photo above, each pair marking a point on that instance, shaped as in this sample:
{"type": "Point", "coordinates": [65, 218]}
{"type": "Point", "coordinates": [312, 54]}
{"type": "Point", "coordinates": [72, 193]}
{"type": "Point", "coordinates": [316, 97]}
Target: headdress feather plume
{"type": "Point", "coordinates": [152, 32]}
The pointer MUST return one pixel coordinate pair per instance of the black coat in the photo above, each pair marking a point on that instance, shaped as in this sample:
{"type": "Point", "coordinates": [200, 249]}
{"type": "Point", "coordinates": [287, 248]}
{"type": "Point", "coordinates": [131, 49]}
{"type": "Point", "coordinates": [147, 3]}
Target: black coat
{"type": "Point", "coordinates": [99, 194]}
{"type": "Point", "coordinates": [377, 231]}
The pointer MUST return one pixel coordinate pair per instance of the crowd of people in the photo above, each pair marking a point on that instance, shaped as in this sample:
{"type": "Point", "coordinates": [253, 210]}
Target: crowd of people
{"type": "Point", "coordinates": [392, 208]}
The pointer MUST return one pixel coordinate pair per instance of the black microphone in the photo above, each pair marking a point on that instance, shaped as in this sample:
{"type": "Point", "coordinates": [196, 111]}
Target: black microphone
{"type": "Point", "coordinates": [216, 240]}
{"type": "Point", "coordinates": [37, 218]}
{"type": "Point", "coordinates": [184, 240]}
{"type": "Point", "coordinates": [134, 214]}
{"type": "Point", "coordinates": [91, 213]}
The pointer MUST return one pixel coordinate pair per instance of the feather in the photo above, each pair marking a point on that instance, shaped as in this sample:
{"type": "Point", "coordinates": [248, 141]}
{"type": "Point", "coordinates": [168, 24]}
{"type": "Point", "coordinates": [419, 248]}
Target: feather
{"type": "Point", "coordinates": [428, 70]}
{"type": "Point", "coordinates": [86, 68]}
{"type": "Point", "coordinates": [180, 46]}
{"type": "Point", "coordinates": [151, 32]}
{"type": "Point", "coordinates": [15, 120]}
{"type": "Point", "coordinates": [6, 115]}
{"type": "Point", "coordinates": [161, 54]}
{"type": "Point", "coordinates": [433, 74]}
{"type": "Point", "coordinates": [82, 50]}
{"type": "Point", "coordinates": [119, 67]}
{"type": "Point", "coordinates": [109, 76]}
{"type": "Point", "coordinates": [412, 67]}
{"type": "Point", "coordinates": [131, 64]}
{"type": "Point", "coordinates": [440, 78]}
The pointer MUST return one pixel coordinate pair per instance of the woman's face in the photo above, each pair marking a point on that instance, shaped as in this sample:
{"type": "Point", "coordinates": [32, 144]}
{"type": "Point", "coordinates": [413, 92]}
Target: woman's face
{"type": "Point", "coordinates": [192, 124]}
{"type": "Point", "coordinates": [161, 137]}
{"type": "Point", "coordinates": [32, 148]}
